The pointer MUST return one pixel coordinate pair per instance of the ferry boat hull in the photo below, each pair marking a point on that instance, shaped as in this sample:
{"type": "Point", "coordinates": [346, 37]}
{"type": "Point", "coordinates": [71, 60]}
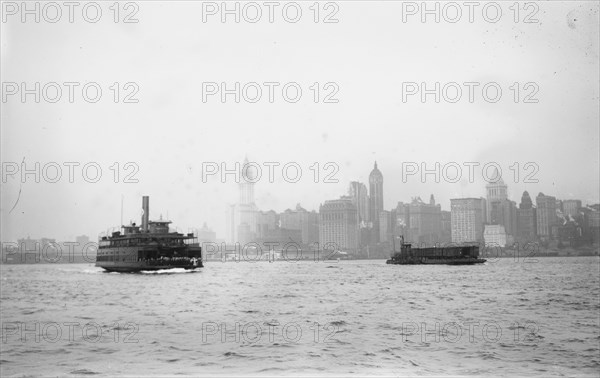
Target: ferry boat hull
{"type": "Point", "coordinates": [137, 267]}
{"type": "Point", "coordinates": [149, 247]}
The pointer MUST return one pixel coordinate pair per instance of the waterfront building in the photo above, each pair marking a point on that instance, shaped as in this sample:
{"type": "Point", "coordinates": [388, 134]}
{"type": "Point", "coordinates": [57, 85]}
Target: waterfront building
{"type": "Point", "coordinates": [307, 222]}
{"type": "Point", "coordinates": [495, 235]}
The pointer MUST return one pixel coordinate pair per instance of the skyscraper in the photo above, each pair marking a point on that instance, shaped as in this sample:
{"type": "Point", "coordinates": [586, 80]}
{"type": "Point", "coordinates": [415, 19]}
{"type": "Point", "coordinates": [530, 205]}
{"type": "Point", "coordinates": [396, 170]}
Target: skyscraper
{"type": "Point", "coordinates": [499, 209]}
{"type": "Point", "coordinates": [304, 221]}
{"type": "Point", "coordinates": [360, 197]}
{"type": "Point", "coordinates": [375, 200]}
{"type": "Point", "coordinates": [526, 220]}
{"type": "Point", "coordinates": [504, 212]}
{"type": "Point", "coordinates": [593, 222]}
{"type": "Point", "coordinates": [338, 224]}
{"type": "Point", "coordinates": [496, 190]}
{"type": "Point", "coordinates": [545, 215]}
{"type": "Point", "coordinates": [242, 216]}
{"type": "Point", "coordinates": [248, 176]}
{"type": "Point", "coordinates": [403, 220]}
{"type": "Point", "coordinates": [571, 207]}
{"type": "Point", "coordinates": [385, 226]}
{"type": "Point", "coordinates": [446, 234]}
{"type": "Point", "coordinates": [425, 221]}
{"type": "Point", "coordinates": [266, 223]}
{"type": "Point", "coordinates": [467, 218]}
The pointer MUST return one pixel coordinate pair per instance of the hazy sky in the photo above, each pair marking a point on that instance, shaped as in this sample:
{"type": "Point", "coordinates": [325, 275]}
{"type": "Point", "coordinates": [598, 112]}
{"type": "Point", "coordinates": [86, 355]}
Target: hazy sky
{"type": "Point", "coordinates": [368, 54]}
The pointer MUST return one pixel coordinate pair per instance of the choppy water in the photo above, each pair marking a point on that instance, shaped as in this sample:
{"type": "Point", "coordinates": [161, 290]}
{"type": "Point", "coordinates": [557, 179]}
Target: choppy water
{"type": "Point", "coordinates": [325, 318]}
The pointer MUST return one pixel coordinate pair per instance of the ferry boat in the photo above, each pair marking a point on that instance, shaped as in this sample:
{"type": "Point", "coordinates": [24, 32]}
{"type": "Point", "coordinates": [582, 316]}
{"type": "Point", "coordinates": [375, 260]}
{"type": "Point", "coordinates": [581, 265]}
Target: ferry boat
{"type": "Point", "coordinates": [148, 247]}
{"type": "Point", "coordinates": [451, 255]}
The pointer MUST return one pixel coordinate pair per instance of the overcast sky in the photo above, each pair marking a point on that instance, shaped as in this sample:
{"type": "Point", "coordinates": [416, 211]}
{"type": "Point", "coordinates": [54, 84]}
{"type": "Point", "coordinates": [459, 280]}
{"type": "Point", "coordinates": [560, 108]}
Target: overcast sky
{"type": "Point", "coordinates": [368, 54]}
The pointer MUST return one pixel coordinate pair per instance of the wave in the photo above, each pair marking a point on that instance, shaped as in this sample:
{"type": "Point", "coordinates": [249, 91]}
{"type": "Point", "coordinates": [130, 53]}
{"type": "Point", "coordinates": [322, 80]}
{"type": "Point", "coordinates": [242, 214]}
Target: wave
{"type": "Point", "coordinates": [92, 270]}
{"type": "Point", "coordinates": [169, 271]}
{"type": "Point", "coordinates": [233, 354]}
{"type": "Point", "coordinates": [84, 372]}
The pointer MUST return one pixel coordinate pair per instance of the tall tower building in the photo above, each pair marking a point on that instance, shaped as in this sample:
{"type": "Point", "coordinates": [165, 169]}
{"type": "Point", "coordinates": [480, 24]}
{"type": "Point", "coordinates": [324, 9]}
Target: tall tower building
{"type": "Point", "coordinates": [242, 217]}
{"type": "Point", "coordinates": [248, 176]}
{"type": "Point", "coordinates": [499, 209]}
{"type": "Point", "coordinates": [375, 199]}
{"type": "Point", "coordinates": [497, 191]}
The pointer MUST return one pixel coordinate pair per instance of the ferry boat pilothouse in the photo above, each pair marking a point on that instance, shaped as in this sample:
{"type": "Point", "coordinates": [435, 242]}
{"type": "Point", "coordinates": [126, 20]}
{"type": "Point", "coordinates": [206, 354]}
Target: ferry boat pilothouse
{"type": "Point", "coordinates": [148, 247]}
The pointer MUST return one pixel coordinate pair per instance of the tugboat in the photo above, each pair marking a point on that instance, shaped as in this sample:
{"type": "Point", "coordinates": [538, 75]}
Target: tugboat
{"type": "Point", "coordinates": [148, 247]}
{"type": "Point", "coordinates": [451, 255]}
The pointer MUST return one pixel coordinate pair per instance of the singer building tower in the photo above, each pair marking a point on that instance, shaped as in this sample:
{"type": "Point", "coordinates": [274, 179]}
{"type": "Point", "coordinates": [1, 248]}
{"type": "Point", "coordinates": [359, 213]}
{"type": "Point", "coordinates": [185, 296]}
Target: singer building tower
{"type": "Point", "coordinates": [375, 200]}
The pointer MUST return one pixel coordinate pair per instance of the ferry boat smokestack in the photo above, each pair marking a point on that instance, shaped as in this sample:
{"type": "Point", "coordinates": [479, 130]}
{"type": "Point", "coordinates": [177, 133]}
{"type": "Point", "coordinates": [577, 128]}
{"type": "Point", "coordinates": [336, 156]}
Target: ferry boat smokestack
{"type": "Point", "coordinates": [146, 214]}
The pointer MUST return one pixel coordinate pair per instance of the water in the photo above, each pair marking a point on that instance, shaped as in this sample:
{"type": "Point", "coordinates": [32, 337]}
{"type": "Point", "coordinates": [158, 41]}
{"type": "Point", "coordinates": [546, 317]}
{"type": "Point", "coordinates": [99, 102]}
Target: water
{"type": "Point", "coordinates": [355, 318]}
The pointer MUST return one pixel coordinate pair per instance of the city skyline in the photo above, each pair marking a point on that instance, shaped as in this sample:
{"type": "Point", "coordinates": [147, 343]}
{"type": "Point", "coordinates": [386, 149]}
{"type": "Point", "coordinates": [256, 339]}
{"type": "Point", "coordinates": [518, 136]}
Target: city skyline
{"type": "Point", "coordinates": [356, 219]}
{"type": "Point", "coordinates": [247, 197]}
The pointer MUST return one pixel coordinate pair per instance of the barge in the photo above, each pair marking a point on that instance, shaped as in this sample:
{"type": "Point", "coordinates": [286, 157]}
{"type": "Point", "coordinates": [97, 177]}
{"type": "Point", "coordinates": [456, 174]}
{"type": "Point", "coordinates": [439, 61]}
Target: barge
{"type": "Point", "coordinates": [148, 247]}
{"type": "Point", "coordinates": [451, 255]}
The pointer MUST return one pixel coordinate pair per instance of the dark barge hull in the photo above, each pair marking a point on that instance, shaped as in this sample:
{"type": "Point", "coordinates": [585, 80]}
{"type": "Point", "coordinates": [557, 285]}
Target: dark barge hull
{"type": "Point", "coordinates": [466, 261]}
{"type": "Point", "coordinates": [444, 255]}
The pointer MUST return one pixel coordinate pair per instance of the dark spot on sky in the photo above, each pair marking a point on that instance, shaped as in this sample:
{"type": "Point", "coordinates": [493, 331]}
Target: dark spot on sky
{"type": "Point", "coordinates": [571, 20]}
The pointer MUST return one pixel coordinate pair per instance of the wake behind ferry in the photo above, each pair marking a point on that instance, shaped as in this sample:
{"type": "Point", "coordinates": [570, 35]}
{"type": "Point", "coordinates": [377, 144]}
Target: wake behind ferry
{"type": "Point", "coordinates": [148, 247]}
